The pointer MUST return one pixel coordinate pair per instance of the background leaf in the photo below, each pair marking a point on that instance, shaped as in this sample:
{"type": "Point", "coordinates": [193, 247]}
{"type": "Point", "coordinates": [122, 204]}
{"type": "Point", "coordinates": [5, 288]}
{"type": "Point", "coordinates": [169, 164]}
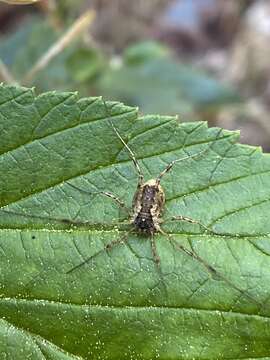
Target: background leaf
{"type": "Point", "coordinates": [146, 74]}
{"type": "Point", "coordinates": [120, 306]}
{"type": "Point", "coordinates": [149, 73]}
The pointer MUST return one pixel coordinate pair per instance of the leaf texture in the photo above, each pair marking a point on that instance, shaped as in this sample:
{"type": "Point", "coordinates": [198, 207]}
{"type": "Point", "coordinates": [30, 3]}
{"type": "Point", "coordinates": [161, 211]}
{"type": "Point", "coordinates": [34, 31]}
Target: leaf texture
{"type": "Point", "coordinates": [120, 305]}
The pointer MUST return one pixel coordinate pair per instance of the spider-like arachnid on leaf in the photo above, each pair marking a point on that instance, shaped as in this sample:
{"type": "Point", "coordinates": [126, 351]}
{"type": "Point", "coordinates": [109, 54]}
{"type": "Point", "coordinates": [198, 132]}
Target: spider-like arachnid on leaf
{"type": "Point", "coordinates": [145, 213]}
{"type": "Point", "coordinates": [147, 206]}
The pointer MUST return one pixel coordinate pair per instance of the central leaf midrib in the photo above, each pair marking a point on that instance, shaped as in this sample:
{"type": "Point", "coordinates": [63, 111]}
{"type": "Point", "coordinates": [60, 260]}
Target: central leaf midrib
{"type": "Point", "coordinates": [112, 229]}
{"type": "Point", "coordinates": [114, 307]}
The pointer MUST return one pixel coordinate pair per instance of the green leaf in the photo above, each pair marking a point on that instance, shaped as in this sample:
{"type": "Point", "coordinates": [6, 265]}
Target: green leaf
{"type": "Point", "coordinates": [85, 65]}
{"type": "Point", "coordinates": [120, 305]}
{"type": "Point", "coordinates": [144, 51]}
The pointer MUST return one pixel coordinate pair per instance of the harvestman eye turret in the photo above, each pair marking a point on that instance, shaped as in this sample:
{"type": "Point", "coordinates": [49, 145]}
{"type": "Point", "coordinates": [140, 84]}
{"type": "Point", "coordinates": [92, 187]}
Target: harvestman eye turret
{"type": "Point", "coordinates": [147, 206]}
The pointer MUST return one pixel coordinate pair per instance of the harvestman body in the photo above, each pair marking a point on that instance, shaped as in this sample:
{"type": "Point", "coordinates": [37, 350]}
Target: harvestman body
{"type": "Point", "coordinates": [147, 206]}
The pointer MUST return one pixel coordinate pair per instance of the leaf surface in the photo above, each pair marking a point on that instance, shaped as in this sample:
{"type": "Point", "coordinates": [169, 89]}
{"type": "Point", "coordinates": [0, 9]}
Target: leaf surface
{"type": "Point", "coordinates": [120, 305]}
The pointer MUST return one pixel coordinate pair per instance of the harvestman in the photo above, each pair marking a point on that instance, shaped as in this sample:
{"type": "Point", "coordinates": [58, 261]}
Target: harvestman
{"type": "Point", "coordinates": [147, 207]}
{"type": "Point", "coordinates": [145, 214]}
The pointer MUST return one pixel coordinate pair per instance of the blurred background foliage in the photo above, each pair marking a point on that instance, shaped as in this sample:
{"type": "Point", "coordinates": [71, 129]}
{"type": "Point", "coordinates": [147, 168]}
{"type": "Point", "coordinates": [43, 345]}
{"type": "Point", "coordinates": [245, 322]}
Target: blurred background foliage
{"type": "Point", "coordinates": [206, 59]}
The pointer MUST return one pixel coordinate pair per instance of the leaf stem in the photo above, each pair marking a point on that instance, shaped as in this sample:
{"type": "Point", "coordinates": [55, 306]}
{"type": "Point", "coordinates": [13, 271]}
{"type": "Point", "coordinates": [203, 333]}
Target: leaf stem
{"type": "Point", "coordinates": [72, 33]}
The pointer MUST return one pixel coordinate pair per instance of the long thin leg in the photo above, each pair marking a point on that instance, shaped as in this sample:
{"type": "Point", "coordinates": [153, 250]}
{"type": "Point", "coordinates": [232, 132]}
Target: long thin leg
{"type": "Point", "coordinates": [185, 218]}
{"type": "Point", "coordinates": [105, 193]}
{"type": "Point", "coordinates": [154, 251]}
{"type": "Point", "coordinates": [131, 153]}
{"type": "Point", "coordinates": [188, 252]}
{"type": "Point", "coordinates": [209, 268]}
{"type": "Point", "coordinates": [107, 247]}
{"type": "Point", "coordinates": [157, 263]}
{"type": "Point", "coordinates": [55, 220]}
{"type": "Point", "coordinates": [193, 255]}
{"type": "Point", "coordinates": [171, 164]}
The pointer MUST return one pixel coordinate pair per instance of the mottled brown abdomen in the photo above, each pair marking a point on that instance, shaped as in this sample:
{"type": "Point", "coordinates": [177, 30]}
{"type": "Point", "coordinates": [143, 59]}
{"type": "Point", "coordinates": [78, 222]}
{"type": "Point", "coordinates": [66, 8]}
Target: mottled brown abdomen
{"type": "Point", "coordinates": [148, 203]}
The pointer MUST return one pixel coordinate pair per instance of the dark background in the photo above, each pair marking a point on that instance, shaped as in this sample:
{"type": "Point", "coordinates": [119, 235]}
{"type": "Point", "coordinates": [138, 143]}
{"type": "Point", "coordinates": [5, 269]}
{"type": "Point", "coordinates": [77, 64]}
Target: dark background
{"type": "Point", "coordinates": [200, 59]}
